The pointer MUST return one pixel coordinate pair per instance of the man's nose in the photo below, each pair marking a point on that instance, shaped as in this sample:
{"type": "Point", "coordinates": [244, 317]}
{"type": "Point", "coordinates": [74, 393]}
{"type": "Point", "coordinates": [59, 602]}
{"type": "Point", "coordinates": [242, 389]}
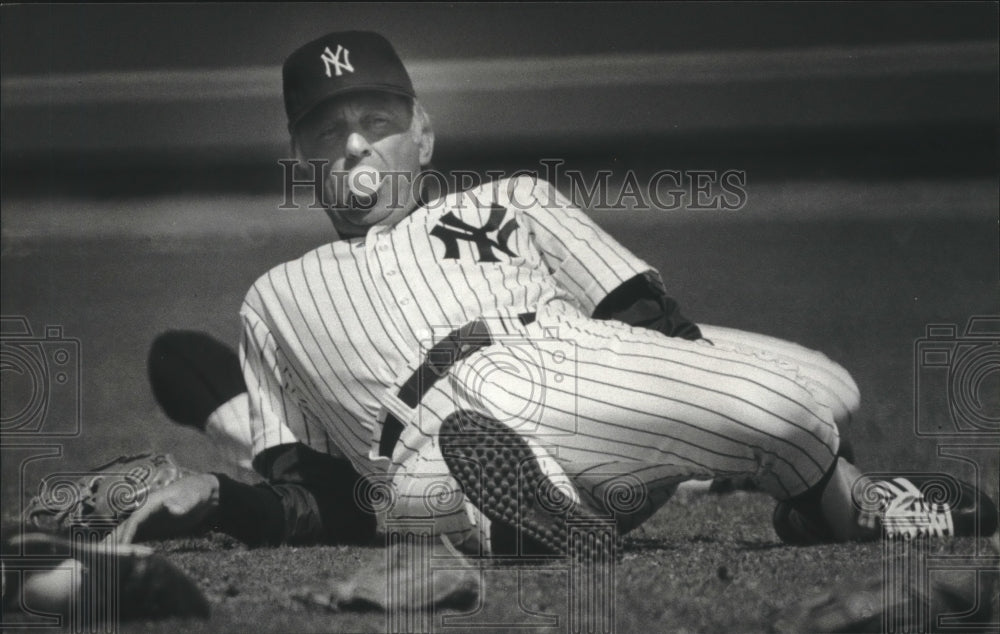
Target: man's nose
{"type": "Point", "coordinates": [358, 146]}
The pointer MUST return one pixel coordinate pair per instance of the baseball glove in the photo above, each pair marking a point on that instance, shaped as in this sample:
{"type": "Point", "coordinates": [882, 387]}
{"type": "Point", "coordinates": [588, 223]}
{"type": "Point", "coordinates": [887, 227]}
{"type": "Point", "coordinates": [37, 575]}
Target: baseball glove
{"type": "Point", "coordinates": [101, 498]}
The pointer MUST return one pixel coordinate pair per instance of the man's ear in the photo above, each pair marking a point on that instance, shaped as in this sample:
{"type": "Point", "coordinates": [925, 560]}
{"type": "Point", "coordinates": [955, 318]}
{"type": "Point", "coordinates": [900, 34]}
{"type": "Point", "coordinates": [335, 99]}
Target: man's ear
{"type": "Point", "coordinates": [423, 133]}
{"type": "Point", "coordinates": [301, 166]}
{"type": "Point", "coordinates": [426, 145]}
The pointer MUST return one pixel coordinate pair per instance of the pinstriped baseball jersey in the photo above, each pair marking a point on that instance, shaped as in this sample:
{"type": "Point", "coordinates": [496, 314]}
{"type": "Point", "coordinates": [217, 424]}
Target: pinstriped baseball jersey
{"type": "Point", "coordinates": [328, 338]}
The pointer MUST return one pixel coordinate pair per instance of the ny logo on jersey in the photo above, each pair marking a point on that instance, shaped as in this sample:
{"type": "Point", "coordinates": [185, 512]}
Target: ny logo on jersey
{"type": "Point", "coordinates": [339, 61]}
{"type": "Point", "coordinates": [451, 229]}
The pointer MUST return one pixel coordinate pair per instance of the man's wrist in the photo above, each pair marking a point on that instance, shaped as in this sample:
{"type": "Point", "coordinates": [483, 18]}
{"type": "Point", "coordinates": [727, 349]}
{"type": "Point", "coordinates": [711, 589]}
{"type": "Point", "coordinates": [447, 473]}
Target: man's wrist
{"type": "Point", "coordinates": [212, 483]}
{"type": "Point", "coordinates": [212, 499]}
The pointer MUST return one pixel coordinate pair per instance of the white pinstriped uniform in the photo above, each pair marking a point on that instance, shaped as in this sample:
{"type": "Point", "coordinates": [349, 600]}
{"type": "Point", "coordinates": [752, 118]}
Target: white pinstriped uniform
{"type": "Point", "coordinates": [330, 338]}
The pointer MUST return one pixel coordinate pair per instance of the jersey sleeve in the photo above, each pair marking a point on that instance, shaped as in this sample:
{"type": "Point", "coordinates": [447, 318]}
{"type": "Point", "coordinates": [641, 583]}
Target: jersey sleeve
{"type": "Point", "coordinates": [273, 414]}
{"type": "Point", "coordinates": [639, 302]}
{"type": "Point", "coordinates": [583, 258]}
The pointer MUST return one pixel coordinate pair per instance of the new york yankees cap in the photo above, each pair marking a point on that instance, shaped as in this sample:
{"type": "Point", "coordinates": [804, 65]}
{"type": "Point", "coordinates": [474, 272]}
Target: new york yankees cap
{"type": "Point", "coordinates": [339, 63]}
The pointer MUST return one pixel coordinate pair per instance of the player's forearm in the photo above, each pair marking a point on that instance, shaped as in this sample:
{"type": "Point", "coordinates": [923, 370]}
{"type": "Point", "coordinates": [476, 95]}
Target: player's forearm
{"type": "Point", "coordinates": [272, 514]}
{"type": "Point", "coordinates": [638, 303]}
{"type": "Point", "coordinates": [308, 498]}
{"type": "Point", "coordinates": [284, 513]}
{"type": "Point", "coordinates": [253, 514]}
{"type": "Point", "coordinates": [320, 492]}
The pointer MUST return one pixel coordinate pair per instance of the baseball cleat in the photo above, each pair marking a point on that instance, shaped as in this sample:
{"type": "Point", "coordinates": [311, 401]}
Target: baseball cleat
{"type": "Point", "coordinates": [95, 581]}
{"type": "Point", "coordinates": [502, 475]}
{"type": "Point", "coordinates": [911, 506]}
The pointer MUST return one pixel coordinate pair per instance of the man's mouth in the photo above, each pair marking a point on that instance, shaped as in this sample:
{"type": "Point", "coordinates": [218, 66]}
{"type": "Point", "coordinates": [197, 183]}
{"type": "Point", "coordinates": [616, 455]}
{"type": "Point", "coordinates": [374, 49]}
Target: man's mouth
{"type": "Point", "coordinates": [359, 206]}
{"type": "Point", "coordinates": [358, 191]}
{"type": "Point", "coordinates": [347, 203]}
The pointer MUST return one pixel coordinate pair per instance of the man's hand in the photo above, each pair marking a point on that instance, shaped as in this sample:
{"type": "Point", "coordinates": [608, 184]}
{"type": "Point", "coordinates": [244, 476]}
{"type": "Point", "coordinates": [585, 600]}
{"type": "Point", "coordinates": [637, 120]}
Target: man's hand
{"type": "Point", "coordinates": [178, 509]}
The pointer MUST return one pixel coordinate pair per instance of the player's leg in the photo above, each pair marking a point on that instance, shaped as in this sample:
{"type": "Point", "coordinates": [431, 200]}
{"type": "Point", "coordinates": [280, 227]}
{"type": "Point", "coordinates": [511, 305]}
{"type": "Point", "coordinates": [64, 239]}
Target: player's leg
{"type": "Point", "coordinates": [626, 394]}
{"type": "Point", "coordinates": [486, 488]}
{"type": "Point", "coordinates": [675, 409]}
{"type": "Point", "coordinates": [970, 510]}
{"type": "Point", "coordinates": [705, 411]}
{"type": "Point", "coordinates": [628, 430]}
{"type": "Point", "coordinates": [418, 489]}
{"type": "Point", "coordinates": [198, 382]}
{"type": "Point", "coordinates": [832, 385]}
{"type": "Point", "coordinates": [630, 491]}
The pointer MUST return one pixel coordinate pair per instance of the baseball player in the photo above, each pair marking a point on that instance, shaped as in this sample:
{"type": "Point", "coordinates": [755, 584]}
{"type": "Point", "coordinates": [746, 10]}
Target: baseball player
{"type": "Point", "coordinates": [495, 361]}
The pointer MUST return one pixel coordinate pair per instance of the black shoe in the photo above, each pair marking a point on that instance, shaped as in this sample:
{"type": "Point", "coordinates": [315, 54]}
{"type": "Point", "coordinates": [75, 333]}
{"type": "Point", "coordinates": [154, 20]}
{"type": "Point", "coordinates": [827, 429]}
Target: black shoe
{"type": "Point", "coordinates": [911, 506]}
{"type": "Point", "coordinates": [500, 474]}
{"type": "Point", "coordinates": [148, 586]}
{"type": "Point", "coordinates": [796, 529]}
{"type": "Point", "coordinates": [192, 374]}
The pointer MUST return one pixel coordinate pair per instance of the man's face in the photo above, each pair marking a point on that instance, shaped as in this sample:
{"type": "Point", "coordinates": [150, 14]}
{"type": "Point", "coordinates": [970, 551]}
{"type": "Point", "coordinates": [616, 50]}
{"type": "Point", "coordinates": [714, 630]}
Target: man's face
{"type": "Point", "coordinates": [368, 129]}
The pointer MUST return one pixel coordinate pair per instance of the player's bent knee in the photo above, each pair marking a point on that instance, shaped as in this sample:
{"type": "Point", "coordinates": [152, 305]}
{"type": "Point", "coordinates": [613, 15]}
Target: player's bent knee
{"type": "Point", "coordinates": [835, 379]}
{"type": "Point", "coordinates": [829, 381]}
{"type": "Point", "coordinates": [800, 430]}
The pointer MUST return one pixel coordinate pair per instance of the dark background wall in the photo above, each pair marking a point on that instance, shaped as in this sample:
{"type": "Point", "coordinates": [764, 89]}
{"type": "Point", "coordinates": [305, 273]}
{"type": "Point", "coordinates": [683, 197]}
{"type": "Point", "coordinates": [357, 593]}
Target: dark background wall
{"type": "Point", "coordinates": [91, 91]}
{"type": "Point", "coordinates": [69, 38]}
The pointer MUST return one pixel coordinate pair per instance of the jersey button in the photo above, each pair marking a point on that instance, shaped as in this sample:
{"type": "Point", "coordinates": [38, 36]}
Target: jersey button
{"type": "Point", "coordinates": [404, 301]}
{"type": "Point", "coordinates": [390, 273]}
{"type": "Point", "coordinates": [383, 247]}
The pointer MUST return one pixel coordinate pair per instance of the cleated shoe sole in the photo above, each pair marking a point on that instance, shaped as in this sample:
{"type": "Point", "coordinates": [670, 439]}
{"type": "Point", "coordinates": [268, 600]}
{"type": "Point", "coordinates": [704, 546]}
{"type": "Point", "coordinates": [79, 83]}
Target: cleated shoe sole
{"type": "Point", "coordinates": [500, 474]}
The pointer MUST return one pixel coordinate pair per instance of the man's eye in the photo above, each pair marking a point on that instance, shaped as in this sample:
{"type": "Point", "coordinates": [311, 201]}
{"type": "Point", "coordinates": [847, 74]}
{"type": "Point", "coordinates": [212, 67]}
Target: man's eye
{"type": "Point", "coordinates": [331, 133]}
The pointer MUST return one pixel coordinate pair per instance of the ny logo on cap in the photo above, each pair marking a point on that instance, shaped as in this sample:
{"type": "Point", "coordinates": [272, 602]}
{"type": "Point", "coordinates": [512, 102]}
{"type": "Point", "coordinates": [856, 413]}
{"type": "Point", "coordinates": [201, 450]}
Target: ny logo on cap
{"type": "Point", "coordinates": [339, 60]}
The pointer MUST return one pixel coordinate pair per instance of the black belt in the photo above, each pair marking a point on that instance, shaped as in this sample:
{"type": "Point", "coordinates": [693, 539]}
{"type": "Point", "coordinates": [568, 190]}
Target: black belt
{"type": "Point", "coordinates": [457, 345]}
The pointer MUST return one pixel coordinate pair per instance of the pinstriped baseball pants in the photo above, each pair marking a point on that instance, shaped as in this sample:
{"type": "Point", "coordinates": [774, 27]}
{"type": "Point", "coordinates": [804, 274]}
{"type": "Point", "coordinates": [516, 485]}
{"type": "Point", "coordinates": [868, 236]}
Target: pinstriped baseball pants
{"type": "Point", "coordinates": [627, 414]}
